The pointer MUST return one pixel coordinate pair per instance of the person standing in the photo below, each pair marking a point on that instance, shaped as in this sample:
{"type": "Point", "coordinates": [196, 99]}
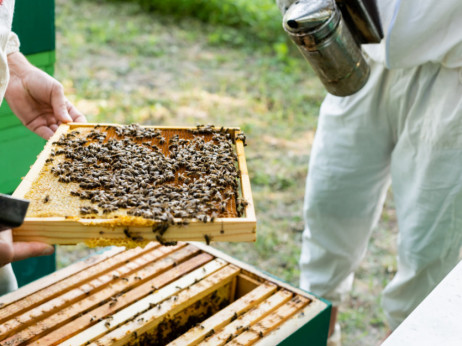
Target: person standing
{"type": "Point", "coordinates": [38, 100]}
{"type": "Point", "coordinates": [403, 126]}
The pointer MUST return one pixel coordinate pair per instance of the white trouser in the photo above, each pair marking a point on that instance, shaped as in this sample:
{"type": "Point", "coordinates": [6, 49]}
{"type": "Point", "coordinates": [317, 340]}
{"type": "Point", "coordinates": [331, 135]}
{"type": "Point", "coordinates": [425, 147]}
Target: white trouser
{"type": "Point", "coordinates": [407, 125]}
{"type": "Point", "coordinates": [7, 280]}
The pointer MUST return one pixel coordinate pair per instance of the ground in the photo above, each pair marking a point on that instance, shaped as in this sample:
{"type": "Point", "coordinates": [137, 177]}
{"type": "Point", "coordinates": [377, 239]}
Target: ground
{"type": "Point", "coordinates": [121, 65]}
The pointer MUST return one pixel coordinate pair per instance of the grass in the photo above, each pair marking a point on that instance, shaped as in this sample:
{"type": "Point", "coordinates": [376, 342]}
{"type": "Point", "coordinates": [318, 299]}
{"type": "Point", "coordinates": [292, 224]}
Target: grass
{"type": "Point", "coordinates": [120, 64]}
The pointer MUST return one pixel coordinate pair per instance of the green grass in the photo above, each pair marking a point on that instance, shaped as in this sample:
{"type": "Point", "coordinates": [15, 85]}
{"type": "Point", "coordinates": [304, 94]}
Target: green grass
{"type": "Point", "coordinates": [122, 64]}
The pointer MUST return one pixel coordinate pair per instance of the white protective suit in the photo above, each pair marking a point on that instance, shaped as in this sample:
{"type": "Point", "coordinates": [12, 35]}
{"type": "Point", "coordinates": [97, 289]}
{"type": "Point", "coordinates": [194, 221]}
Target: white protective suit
{"type": "Point", "coordinates": [404, 124]}
{"type": "Point", "coordinates": [8, 44]}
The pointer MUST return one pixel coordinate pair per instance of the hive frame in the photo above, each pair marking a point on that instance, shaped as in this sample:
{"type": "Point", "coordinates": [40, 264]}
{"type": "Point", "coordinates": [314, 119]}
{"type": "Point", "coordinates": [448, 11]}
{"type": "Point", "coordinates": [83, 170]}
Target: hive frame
{"type": "Point", "coordinates": [67, 231]}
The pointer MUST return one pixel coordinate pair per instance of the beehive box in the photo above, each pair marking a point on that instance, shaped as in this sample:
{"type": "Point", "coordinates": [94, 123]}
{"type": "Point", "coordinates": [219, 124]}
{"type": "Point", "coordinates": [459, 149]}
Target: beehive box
{"type": "Point", "coordinates": [113, 184]}
{"type": "Point", "coordinates": [187, 294]}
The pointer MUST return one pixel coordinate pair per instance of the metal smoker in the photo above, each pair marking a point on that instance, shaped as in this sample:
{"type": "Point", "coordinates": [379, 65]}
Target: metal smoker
{"type": "Point", "coordinates": [329, 33]}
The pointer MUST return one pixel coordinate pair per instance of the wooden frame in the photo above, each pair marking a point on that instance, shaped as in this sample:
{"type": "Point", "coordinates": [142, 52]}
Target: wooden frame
{"type": "Point", "coordinates": [117, 297]}
{"type": "Point", "coordinates": [61, 230]}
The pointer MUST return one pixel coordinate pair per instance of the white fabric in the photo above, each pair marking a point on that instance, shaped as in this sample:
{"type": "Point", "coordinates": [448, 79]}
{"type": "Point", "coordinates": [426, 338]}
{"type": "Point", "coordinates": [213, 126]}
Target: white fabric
{"type": "Point", "coordinates": [416, 32]}
{"type": "Point", "coordinates": [406, 124]}
{"type": "Point", "coordinates": [8, 43]}
{"type": "Point", "coordinates": [8, 281]}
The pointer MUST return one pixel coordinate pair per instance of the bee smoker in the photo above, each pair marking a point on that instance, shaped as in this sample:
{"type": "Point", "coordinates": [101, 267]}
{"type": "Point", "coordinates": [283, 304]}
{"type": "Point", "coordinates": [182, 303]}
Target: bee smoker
{"type": "Point", "coordinates": [329, 33]}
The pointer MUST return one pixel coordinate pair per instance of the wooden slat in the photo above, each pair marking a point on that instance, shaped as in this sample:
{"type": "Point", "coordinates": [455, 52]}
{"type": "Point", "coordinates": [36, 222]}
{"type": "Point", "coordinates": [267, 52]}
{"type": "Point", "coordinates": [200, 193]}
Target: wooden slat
{"type": "Point", "coordinates": [248, 319]}
{"type": "Point", "coordinates": [270, 322]}
{"type": "Point", "coordinates": [77, 125]}
{"type": "Point", "coordinates": [55, 290]}
{"type": "Point", "coordinates": [245, 181]}
{"type": "Point", "coordinates": [246, 284]}
{"type": "Point", "coordinates": [316, 307]}
{"type": "Point", "coordinates": [91, 317]}
{"type": "Point", "coordinates": [122, 280]}
{"type": "Point", "coordinates": [157, 297]}
{"type": "Point", "coordinates": [250, 270]}
{"type": "Point", "coordinates": [226, 315]}
{"type": "Point", "coordinates": [53, 278]}
{"type": "Point", "coordinates": [300, 319]}
{"type": "Point", "coordinates": [151, 318]}
{"type": "Point", "coordinates": [84, 290]}
{"type": "Point", "coordinates": [175, 325]}
{"type": "Point", "coordinates": [50, 230]}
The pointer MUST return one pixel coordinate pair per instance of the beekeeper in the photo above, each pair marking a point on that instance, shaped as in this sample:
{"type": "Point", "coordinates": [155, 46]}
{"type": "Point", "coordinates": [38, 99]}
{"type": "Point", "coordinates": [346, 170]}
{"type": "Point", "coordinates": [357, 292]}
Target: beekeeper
{"type": "Point", "coordinates": [39, 102]}
{"type": "Point", "coordinates": [403, 126]}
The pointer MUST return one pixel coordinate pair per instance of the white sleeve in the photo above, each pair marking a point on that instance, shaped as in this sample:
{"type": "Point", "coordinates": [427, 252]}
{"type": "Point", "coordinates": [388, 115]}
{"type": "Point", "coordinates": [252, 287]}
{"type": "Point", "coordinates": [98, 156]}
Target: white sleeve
{"type": "Point", "coordinates": [425, 31]}
{"type": "Point", "coordinates": [12, 44]}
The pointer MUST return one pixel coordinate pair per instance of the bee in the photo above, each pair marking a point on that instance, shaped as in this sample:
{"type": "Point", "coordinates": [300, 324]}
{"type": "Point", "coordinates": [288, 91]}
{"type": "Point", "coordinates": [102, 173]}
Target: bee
{"type": "Point", "coordinates": [234, 317]}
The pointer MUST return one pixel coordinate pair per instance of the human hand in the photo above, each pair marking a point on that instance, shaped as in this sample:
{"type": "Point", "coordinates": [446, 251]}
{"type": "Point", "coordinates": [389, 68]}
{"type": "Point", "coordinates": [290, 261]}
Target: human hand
{"type": "Point", "coordinates": [38, 99]}
{"type": "Point", "coordinates": [15, 251]}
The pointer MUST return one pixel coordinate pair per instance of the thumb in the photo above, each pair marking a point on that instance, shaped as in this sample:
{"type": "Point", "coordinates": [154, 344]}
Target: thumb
{"type": "Point", "coordinates": [59, 103]}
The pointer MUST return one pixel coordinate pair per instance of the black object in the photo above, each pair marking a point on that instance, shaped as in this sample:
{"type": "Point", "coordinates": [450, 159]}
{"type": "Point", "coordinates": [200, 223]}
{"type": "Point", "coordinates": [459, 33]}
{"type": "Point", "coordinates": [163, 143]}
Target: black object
{"type": "Point", "coordinates": [363, 20]}
{"type": "Point", "coordinates": [12, 211]}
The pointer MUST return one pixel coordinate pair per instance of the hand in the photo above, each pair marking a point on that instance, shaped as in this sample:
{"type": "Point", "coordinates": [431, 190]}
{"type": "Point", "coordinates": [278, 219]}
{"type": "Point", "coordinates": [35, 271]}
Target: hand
{"type": "Point", "coordinates": [38, 99]}
{"type": "Point", "coordinates": [11, 252]}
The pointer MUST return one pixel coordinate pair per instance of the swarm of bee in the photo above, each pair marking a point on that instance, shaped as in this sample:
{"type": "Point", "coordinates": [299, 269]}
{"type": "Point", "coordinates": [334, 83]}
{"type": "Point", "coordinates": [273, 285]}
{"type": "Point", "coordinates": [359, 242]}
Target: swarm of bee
{"type": "Point", "coordinates": [139, 170]}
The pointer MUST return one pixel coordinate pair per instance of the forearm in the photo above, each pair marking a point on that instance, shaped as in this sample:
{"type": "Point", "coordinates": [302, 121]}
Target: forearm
{"type": "Point", "coordinates": [19, 67]}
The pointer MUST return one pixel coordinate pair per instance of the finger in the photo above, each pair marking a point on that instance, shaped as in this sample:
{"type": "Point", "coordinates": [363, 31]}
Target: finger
{"type": "Point", "coordinates": [44, 131]}
{"type": "Point", "coordinates": [59, 103]}
{"type": "Point", "coordinates": [23, 250]}
{"type": "Point", "coordinates": [75, 114]}
{"type": "Point", "coordinates": [53, 127]}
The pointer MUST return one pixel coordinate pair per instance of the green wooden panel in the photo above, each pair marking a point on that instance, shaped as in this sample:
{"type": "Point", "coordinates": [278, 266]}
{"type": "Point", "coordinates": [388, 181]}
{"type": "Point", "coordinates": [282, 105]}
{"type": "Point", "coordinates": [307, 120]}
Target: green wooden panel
{"type": "Point", "coordinates": [42, 59]}
{"type": "Point", "coordinates": [31, 269]}
{"type": "Point", "coordinates": [34, 23]}
{"type": "Point", "coordinates": [313, 333]}
{"type": "Point", "coordinates": [19, 148]}
{"type": "Point", "coordinates": [7, 118]}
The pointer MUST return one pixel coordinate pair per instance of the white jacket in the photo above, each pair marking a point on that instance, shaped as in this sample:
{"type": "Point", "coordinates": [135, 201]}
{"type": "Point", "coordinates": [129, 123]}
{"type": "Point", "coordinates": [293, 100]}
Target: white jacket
{"type": "Point", "coordinates": [419, 31]}
{"type": "Point", "coordinates": [9, 42]}
{"type": "Point", "coordinates": [416, 32]}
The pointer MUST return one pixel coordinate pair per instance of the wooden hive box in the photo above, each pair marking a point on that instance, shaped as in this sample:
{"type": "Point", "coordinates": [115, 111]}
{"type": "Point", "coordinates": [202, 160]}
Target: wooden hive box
{"type": "Point", "coordinates": [186, 294]}
{"type": "Point", "coordinates": [83, 188]}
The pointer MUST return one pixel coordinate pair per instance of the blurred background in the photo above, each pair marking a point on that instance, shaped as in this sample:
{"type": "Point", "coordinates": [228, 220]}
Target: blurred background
{"type": "Point", "coordinates": [227, 63]}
